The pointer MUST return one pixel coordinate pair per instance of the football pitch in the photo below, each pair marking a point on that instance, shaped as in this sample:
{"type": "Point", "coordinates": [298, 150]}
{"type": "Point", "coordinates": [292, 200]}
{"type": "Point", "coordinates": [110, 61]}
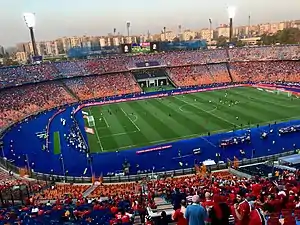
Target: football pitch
{"type": "Point", "coordinates": [154, 121]}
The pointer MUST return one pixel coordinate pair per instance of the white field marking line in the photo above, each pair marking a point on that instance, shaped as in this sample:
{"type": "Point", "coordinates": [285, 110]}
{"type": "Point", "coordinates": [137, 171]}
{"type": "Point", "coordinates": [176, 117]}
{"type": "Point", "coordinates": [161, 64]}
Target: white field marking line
{"type": "Point", "coordinates": [275, 103]}
{"type": "Point", "coordinates": [95, 128]}
{"type": "Point", "coordinates": [187, 136]}
{"type": "Point", "coordinates": [130, 119]}
{"type": "Point", "coordinates": [135, 118]}
{"type": "Point", "coordinates": [207, 141]}
{"type": "Point", "coordinates": [184, 156]}
{"type": "Point", "coordinates": [119, 134]}
{"type": "Point", "coordinates": [208, 111]}
{"type": "Point", "coordinates": [105, 121]}
{"type": "Point", "coordinates": [190, 136]}
{"type": "Point", "coordinates": [214, 115]}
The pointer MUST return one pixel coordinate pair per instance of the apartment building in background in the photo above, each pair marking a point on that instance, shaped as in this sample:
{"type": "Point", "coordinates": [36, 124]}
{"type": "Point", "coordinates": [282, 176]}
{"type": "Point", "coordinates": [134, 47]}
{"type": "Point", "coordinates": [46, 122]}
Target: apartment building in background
{"type": "Point", "coordinates": [61, 46]}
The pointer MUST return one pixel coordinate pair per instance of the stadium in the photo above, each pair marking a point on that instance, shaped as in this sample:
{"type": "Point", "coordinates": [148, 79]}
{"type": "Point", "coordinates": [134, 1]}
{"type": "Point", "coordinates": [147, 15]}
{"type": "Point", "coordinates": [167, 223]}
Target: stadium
{"type": "Point", "coordinates": [121, 118]}
{"type": "Point", "coordinates": [132, 137]}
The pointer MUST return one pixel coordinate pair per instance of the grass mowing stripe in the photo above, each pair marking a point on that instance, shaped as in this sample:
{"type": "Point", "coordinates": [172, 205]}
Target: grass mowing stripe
{"type": "Point", "coordinates": [170, 116]}
{"type": "Point", "coordinates": [191, 126]}
{"type": "Point", "coordinates": [153, 120]}
{"type": "Point", "coordinates": [96, 131]}
{"type": "Point", "coordinates": [138, 129]}
{"type": "Point", "coordinates": [210, 113]}
{"type": "Point", "coordinates": [106, 135]}
{"type": "Point", "coordinates": [242, 110]}
{"type": "Point", "coordinates": [266, 109]}
{"type": "Point", "coordinates": [188, 114]}
{"type": "Point", "coordinates": [147, 131]}
{"type": "Point", "coordinates": [57, 146]}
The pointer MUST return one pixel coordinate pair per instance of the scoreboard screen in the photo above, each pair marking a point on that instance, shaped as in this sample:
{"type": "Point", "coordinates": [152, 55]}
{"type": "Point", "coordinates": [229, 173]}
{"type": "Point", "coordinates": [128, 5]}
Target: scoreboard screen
{"type": "Point", "coordinates": [143, 47]}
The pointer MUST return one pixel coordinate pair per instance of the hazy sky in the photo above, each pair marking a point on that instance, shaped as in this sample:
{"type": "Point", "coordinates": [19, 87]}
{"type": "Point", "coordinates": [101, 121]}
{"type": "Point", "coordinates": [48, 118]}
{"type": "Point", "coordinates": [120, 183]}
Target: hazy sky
{"type": "Point", "coordinates": [57, 18]}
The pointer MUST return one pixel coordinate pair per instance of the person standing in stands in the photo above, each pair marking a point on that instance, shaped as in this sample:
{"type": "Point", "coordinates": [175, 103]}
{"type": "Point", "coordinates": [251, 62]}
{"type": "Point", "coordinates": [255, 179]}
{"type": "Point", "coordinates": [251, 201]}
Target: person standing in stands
{"type": "Point", "coordinates": [241, 209]}
{"type": "Point", "coordinates": [195, 213]}
{"type": "Point", "coordinates": [178, 215]}
{"type": "Point", "coordinates": [219, 213]}
{"type": "Point", "coordinates": [257, 215]}
{"type": "Point", "coordinates": [177, 196]}
{"type": "Point", "coordinates": [163, 218]}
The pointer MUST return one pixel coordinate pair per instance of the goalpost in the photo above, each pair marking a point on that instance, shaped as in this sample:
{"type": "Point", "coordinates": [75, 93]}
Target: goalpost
{"type": "Point", "coordinates": [91, 121]}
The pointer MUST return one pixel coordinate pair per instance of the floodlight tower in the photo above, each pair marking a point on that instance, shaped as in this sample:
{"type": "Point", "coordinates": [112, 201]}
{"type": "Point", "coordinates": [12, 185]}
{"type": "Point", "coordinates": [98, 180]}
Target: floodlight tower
{"type": "Point", "coordinates": [29, 19]}
{"type": "Point", "coordinates": [210, 30]}
{"type": "Point", "coordinates": [231, 14]}
{"type": "Point", "coordinates": [128, 29]}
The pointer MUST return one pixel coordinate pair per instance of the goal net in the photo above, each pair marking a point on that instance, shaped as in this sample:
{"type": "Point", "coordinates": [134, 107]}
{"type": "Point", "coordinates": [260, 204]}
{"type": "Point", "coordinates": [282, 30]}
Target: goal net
{"type": "Point", "coordinates": [91, 121]}
{"type": "Point", "coordinates": [286, 93]}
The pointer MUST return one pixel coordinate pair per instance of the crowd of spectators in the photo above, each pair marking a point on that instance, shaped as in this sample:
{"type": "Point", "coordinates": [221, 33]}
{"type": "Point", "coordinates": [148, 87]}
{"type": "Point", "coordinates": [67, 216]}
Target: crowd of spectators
{"type": "Point", "coordinates": [199, 75]}
{"type": "Point", "coordinates": [224, 199]}
{"type": "Point", "coordinates": [69, 69]}
{"type": "Point", "coordinates": [21, 101]}
{"type": "Point", "coordinates": [290, 52]}
{"type": "Point", "coordinates": [11, 76]}
{"type": "Point", "coordinates": [17, 103]}
{"type": "Point", "coordinates": [273, 71]}
{"type": "Point", "coordinates": [103, 85]}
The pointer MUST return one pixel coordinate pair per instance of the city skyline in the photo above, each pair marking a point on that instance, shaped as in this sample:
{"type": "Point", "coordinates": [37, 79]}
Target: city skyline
{"type": "Point", "coordinates": [91, 17]}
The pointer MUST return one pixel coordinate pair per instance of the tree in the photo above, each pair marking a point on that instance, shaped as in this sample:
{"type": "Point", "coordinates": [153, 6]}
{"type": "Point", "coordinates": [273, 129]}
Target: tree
{"type": "Point", "coordinates": [285, 36]}
{"type": "Point", "coordinates": [237, 42]}
{"type": "Point", "coordinates": [176, 39]}
{"type": "Point", "coordinates": [221, 41]}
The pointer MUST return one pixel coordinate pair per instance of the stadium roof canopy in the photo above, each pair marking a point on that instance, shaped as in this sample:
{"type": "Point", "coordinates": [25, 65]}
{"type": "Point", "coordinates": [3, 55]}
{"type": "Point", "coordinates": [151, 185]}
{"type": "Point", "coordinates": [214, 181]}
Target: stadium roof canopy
{"type": "Point", "coordinates": [291, 159]}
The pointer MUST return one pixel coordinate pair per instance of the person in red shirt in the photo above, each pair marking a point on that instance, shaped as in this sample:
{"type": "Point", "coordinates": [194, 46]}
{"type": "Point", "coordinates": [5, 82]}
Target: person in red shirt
{"type": "Point", "coordinates": [114, 210]}
{"type": "Point", "coordinates": [125, 218]}
{"type": "Point", "coordinates": [241, 209]}
{"type": "Point", "coordinates": [257, 217]}
{"type": "Point", "coordinates": [256, 188]}
{"type": "Point", "coordinates": [179, 214]}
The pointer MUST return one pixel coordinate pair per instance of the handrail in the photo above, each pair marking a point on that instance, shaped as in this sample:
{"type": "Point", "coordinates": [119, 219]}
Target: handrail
{"type": "Point", "coordinates": [132, 178]}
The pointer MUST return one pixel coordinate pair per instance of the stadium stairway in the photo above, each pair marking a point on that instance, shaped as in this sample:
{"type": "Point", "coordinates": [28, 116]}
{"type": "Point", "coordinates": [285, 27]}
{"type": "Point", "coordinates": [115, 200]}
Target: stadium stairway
{"type": "Point", "coordinates": [89, 190]}
{"type": "Point", "coordinates": [212, 76]}
{"type": "Point", "coordinates": [70, 91]}
{"type": "Point", "coordinates": [229, 72]}
{"type": "Point", "coordinates": [170, 80]}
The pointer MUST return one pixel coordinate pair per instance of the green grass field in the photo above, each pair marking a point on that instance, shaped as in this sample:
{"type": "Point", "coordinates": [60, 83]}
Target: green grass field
{"type": "Point", "coordinates": [153, 121]}
{"type": "Point", "coordinates": [57, 146]}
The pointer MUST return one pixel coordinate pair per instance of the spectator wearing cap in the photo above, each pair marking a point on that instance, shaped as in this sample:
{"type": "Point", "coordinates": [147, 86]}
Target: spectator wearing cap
{"type": "Point", "coordinates": [178, 215]}
{"type": "Point", "coordinates": [195, 213]}
{"type": "Point", "coordinates": [241, 209]}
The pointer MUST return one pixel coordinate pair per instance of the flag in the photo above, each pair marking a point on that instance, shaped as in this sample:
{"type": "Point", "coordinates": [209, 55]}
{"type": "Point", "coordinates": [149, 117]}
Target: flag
{"type": "Point", "coordinates": [235, 162]}
{"type": "Point", "coordinates": [89, 130]}
{"type": "Point", "coordinates": [101, 178]}
{"type": "Point", "coordinates": [197, 169]}
{"type": "Point", "coordinates": [23, 172]}
{"type": "Point", "coordinates": [93, 178]}
{"type": "Point", "coordinates": [204, 169]}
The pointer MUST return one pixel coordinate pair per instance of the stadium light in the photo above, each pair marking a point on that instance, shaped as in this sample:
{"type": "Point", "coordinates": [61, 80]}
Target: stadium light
{"type": "Point", "coordinates": [210, 31]}
{"type": "Point", "coordinates": [231, 11]}
{"type": "Point", "coordinates": [231, 14]}
{"type": "Point", "coordinates": [128, 28]}
{"type": "Point", "coordinates": [29, 19]}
